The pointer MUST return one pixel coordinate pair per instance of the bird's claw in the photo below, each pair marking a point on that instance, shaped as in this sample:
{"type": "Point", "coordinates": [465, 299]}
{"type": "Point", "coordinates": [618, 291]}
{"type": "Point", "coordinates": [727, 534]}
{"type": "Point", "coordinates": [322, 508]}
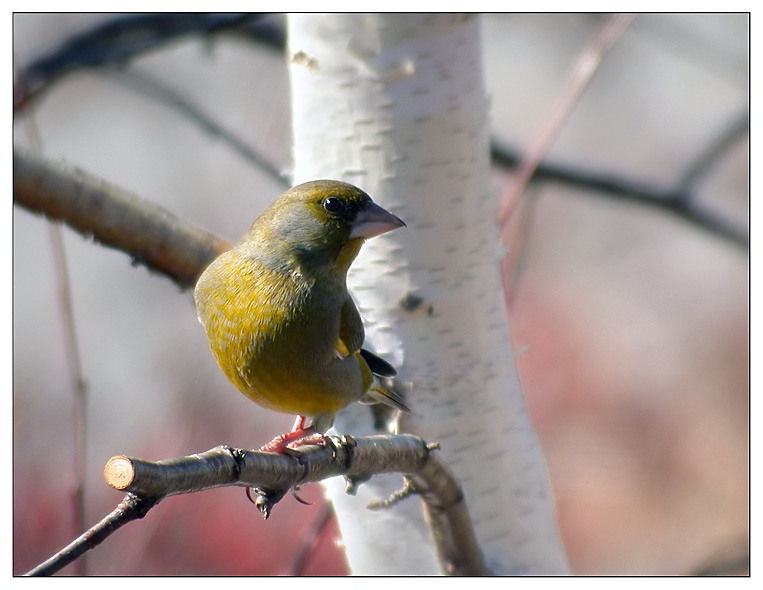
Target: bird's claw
{"type": "Point", "coordinates": [264, 500]}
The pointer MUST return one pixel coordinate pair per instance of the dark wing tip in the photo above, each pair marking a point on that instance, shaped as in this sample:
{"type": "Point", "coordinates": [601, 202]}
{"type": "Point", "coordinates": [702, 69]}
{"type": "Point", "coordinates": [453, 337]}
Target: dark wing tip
{"type": "Point", "coordinates": [377, 365]}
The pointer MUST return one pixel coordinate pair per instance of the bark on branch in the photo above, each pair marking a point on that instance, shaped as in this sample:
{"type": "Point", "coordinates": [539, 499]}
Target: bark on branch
{"type": "Point", "coordinates": [149, 234]}
{"type": "Point", "coordinates": [272, 475]}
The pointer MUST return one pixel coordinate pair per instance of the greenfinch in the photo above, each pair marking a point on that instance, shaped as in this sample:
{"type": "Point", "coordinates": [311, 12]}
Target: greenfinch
{"type": "Point", "coordinates": [279, 318]}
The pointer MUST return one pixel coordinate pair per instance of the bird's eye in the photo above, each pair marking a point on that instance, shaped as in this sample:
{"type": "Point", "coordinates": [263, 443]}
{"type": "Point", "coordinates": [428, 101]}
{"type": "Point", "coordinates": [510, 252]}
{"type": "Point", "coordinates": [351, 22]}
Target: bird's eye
{"type": "Point", "coordinates": [333, 205]}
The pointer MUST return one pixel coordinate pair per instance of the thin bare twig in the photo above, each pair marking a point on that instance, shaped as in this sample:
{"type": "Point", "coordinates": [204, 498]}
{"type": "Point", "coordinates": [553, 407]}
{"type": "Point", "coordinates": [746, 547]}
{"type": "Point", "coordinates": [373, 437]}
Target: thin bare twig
{"type": "Point", "coordinates": [79, 386]}
{"type": "Point", "coordinates": [311, 540]}
{"type": "Point", "coordinates": [583, 69]}
{"type": "Point", "coordinates": [71, 351]}
{"type": "Point", "coordinates": [154, 88]}
{"type": "Point", "coordinates": [129, 509]}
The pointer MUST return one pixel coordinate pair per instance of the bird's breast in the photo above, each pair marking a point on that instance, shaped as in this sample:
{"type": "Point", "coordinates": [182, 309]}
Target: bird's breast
{"type": "Point", "coordinates": [274, 335]}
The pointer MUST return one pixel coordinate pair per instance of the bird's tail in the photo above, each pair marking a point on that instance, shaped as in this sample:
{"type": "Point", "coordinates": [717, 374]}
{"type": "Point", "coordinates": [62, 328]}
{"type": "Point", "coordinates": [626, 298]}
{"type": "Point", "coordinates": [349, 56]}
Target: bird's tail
{"type": "Point", "coordinates": [382, 388]}
{"type": "Point", "coordinates": [384, 393]}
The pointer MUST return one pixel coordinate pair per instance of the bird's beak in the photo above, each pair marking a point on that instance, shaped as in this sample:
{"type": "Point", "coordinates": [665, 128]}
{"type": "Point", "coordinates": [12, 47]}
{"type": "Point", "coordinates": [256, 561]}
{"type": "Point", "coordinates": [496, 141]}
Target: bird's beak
{"type": "Point", "coordinates": [373, 221]}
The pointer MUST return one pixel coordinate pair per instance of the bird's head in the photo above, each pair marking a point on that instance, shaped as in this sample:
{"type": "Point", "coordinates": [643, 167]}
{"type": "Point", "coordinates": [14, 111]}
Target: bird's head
{"type": "Point", "coordinates": [322, 222]}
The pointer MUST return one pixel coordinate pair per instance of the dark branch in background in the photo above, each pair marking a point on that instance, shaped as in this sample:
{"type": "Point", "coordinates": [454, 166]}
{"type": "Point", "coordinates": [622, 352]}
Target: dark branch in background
{"type": "Point", "coordinates": [118, 40]}
{"type": "Point", "coordinates": [159, 91]}
{"type": "Point", "coordinates": [729, 136]}
{"type": "Point", "coordinates": [678, 201]}
{"type": "Point", "coordinates": [272, 475]}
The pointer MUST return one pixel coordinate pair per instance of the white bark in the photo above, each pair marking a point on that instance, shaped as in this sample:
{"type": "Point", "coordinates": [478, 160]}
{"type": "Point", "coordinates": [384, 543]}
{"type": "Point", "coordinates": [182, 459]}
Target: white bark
{"type": "Point", "coordinates": [396, 105]}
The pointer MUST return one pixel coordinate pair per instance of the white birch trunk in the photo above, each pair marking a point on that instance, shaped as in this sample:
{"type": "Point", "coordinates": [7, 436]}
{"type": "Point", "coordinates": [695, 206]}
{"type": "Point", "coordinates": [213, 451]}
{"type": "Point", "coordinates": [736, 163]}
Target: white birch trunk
{"type": "Point", "coordinates": [396, 105]}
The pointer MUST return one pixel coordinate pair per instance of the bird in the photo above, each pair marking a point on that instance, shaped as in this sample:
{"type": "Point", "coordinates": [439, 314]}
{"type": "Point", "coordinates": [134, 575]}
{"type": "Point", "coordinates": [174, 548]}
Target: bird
{"type": "Point", "coordinates": [279, 318]}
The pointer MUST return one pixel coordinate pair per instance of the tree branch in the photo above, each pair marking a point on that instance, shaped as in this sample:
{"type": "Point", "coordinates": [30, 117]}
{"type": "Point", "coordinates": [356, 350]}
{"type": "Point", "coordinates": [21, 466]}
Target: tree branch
{"type": "Point", "coordinates": [151, 235]}
{"type": "Point", "coordinates": [272, 475]}
{"type": "Point", "coordinates": [679, 201]}
{"type": "Point", "coordinates": [129, 509]}
{"type": "Point", "coordinates": [118, 40]}
{"type": "Point", "coordinates": [159, 91]}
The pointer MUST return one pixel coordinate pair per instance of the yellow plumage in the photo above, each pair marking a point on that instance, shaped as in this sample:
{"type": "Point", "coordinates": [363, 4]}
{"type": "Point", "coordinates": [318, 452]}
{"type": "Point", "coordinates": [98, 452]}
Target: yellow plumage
{"type": "Point", "coordinates": [276, 309]}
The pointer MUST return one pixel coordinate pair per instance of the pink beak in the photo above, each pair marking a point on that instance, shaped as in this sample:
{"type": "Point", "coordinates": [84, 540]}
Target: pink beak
{"type": "Point", "coordinates": [373, 221]}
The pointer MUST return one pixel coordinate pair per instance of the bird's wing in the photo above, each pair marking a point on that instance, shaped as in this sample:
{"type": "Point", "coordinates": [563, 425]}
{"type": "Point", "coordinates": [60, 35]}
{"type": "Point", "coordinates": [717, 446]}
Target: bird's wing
{"type": "Point", "coordinates": [351, 336]}
{"type": "Point", "coordinates": [377, 364]}
{"type": "Point", "coordinates": [351, 332]}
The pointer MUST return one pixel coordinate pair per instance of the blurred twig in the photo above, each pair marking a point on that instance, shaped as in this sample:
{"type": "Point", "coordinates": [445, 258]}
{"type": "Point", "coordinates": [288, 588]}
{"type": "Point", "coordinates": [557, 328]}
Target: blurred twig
{"type": "Point", "coordinates": [311, 540]}
{"type": "Point", "coordinates": [678, 201]}
{"type": "Point", "coordinates": [79, 386]}
{"type": "Point", "coordinates": [159, 91]}
{"type": "Point", "coordinates": [707, 158]}
{"type": "Point", "coordinates": [582, 71]}
{"type": "Point", "coordinates": [114, 42]}
{"type": "Point", "coordinates": [76, 375]}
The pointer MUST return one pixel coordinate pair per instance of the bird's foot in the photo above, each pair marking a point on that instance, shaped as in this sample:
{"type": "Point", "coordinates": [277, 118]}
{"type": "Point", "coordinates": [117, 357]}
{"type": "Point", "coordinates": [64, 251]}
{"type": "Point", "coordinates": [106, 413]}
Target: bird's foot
{"type": "Point", "coordinates": [282, 443]}
{"type": "Point", "coordinates": [298, 434]}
